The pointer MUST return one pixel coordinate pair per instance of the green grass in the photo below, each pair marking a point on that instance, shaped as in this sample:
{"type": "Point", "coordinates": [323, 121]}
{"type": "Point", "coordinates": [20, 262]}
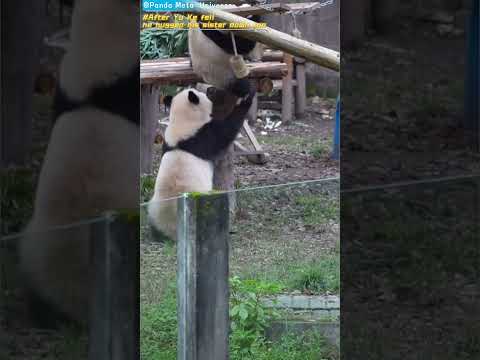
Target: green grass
{"type": "Point", "coordinates": [16, 199]}
{"type": "Point", "coordinates": [320, 277]}
{"type": "Point", "coordinates": [147, 184]}
{"type": "Point", "coordinates": [317, 148]}
{"type": "Point", "coordinates": [74, 344]}
{"type": "Point", "coordinates": [320, 150]}
{"type": "Point", "coordinates": [263, 287]}
{"type": "Point", "coordinates": [309, 346]}
{"type": "Point", "coordinates": [158, 335]}
{"type": "Point", "coordinates": [318, 210]}
{"type": "Point", "coordinates": [158, 329]}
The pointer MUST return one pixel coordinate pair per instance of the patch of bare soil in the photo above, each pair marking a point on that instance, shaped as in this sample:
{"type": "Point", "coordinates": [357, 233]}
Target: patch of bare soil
{"type": "Point", "coordinates": [297, 151]}
{"type": "Point", "coordinates": [20, 339]}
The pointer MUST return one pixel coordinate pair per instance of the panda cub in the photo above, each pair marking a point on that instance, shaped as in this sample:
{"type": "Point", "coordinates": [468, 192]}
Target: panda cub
{"type": "Point", "coordinates": [193, 140]}
{"type": "Point", "coordinates": [91, 164]}
{"type": "Point", "coordinates": [210, 52]}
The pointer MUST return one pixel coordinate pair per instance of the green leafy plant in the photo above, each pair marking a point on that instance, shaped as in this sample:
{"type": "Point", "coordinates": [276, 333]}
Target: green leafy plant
{"type": "Point", "coordinates": [147, 184]}
{"type": "Point", "coordinates": [162, 43]}
{"type": "Point", "coordinates": [158, 324]}
{"type": "Point", "coordinates": [248, 318]}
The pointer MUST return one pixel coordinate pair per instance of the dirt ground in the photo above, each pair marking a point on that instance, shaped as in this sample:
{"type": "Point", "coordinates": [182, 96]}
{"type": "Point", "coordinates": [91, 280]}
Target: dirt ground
{"type": "Point", "coordinates": [404, 107]}
{"type": "Point", "coordinates": [298, 151]}
{"type": "Point", "coordinates": [410, 289]}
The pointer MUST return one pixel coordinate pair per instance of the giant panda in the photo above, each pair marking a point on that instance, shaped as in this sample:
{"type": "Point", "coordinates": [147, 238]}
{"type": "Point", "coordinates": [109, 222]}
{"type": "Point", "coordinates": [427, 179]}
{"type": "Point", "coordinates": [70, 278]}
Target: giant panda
{"type": "Point", "coordinates": [91, 163]}
{"type": "Point", "coordinates": [210, 52]}
{"type": "Point", "coordinates": [194, 138]}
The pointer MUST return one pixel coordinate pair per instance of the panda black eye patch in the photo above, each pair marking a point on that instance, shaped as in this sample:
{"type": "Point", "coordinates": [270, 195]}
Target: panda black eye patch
{"type": "Point", "coordinates": [193, 98]}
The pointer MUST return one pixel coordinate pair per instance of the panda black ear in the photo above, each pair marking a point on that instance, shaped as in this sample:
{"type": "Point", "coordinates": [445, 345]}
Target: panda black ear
{"type": "Point", "coordinates": [193, 98]}
{"type": "Point", "coordinates": [167, 100]}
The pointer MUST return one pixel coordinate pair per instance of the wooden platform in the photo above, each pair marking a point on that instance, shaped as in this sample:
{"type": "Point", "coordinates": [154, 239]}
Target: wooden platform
{"type": "Point", "coordinates": [276, 66]}
{"type": "Point", "coordinates": [179, 71]}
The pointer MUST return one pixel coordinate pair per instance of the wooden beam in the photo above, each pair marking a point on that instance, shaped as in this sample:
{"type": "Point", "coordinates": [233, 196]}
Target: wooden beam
{"type": "Point", "coordinates": [251, 137]}
{"type": "Point", "coordinates": [272, 55]}
{"type": "Point", "coordinates": [317, 54]}
{"type": "Point", "coordinates": [179, 71]}
{"type": "Point", "coordinates": [255, 157]}
{"type": "Point", "coordinates": [259, 10]}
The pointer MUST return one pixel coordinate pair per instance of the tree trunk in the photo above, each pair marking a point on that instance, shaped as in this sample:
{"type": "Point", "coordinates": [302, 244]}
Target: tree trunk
{"type": "Point", "coordinates": [224, 177]}
{"type": "Point", "coordinates": [21, 35]}
{"type": "Point", "coordinates": [148, 125]}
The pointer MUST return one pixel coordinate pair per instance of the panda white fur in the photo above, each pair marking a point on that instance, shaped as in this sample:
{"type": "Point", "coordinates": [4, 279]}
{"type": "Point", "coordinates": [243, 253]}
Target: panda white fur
{"type": "Point", "coordinates": [193, 140]}
{"type": "Point", "coordinates": [210, 52]}
{"type": "Point", "coordinates": [91, 164]}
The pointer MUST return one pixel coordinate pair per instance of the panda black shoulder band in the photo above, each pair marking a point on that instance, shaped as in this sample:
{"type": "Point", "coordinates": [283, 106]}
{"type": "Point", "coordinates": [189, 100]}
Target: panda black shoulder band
{"type": "Point", "coordinates": [119, 98]}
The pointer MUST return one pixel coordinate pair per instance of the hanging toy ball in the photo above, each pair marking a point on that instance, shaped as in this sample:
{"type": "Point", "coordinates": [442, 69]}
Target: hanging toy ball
{"type": "Point", "coordinates": [239, 67]}
{"type": "Point", "coordinates": [237, 62]}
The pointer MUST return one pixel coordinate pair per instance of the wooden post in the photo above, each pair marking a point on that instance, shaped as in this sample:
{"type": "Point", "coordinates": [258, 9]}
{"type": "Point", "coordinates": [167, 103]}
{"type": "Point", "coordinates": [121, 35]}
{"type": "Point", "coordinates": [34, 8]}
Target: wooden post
{"type": "Point", "coordinates": [224, 176]}
{"type": "Point", "coordinates": [114, 305]}
{"type": "Point", "coordinates": [252, 113]}
{"type": "Point", "coordinates": [202, 273]}
{"type": "Point", "coordinates": [287, 90]}
{"type": "Point", "coordinates": [148, 124]}
{"type": "Point", "coordinates": [301, 88]}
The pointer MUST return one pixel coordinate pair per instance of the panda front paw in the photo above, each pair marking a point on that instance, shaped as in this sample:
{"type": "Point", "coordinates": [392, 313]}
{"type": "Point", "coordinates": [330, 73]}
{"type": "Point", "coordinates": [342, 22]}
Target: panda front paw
{"type": "Point", "coordinates": [241, 87]}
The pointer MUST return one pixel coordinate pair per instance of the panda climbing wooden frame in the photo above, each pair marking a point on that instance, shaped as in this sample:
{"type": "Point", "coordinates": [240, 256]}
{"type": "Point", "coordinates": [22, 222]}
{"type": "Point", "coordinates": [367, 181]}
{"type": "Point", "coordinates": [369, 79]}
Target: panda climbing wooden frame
{"type": "Point", "coordinates": [317, 54]}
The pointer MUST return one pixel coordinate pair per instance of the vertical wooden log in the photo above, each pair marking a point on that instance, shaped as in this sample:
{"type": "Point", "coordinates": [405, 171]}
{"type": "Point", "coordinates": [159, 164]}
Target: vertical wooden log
{"type": "Point", "coordinates": [287, 90]}
{"type": "Point", "coordinates": [202, 273]}
{"type": "Point", "coordinates": [252, 113]}
{"type": "Point", "coordinates": [301, 88]}
{"type": "Point", "coordinates": [148, 125]}
{"type": "Point", "coordinates": [224, 177]}
{"type": "Point", "coordinates": [114, 306]}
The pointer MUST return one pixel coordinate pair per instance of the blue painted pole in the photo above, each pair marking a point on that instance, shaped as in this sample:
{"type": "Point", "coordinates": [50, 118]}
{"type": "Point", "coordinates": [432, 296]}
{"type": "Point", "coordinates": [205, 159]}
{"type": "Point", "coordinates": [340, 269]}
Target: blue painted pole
{"type": "Point", "coordinates": [336, 133]}
{"type": "Point", "coordinates": [472, 120]}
